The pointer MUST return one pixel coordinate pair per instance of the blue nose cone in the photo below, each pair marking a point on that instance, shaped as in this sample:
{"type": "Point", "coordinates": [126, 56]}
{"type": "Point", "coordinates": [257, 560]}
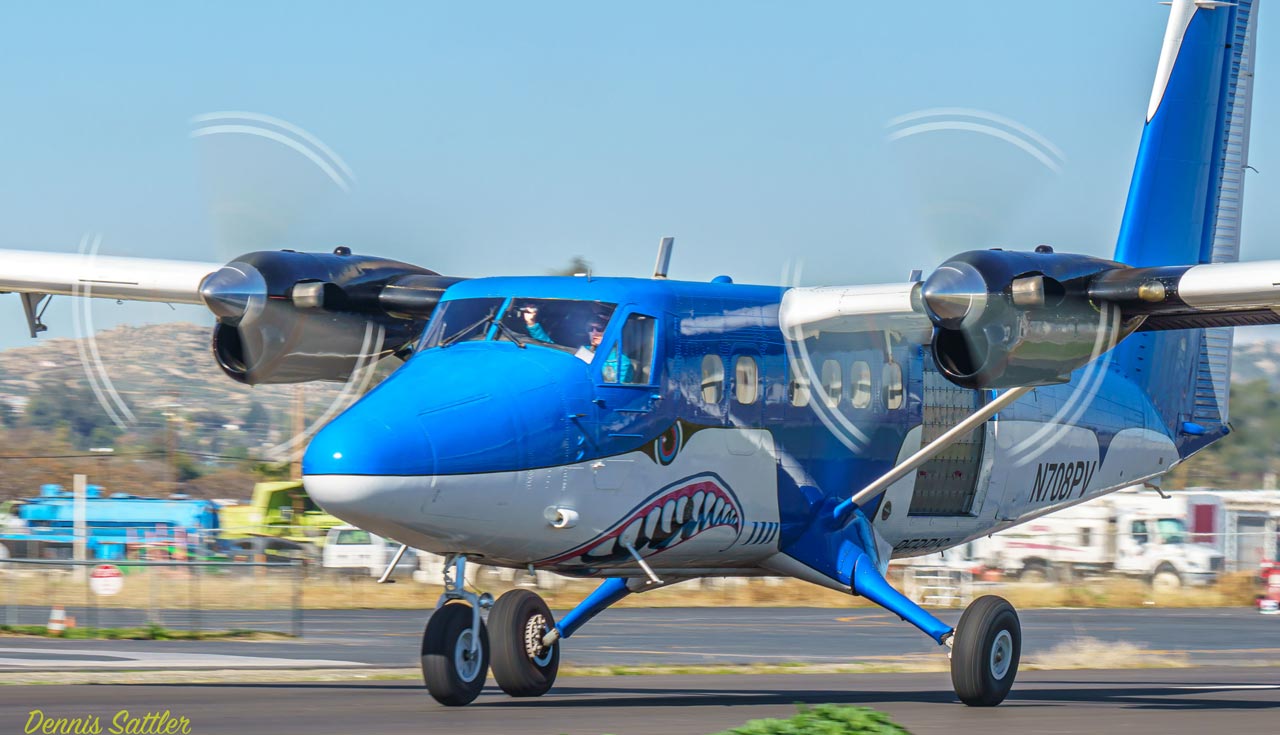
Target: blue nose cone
{"type": "Point", "coordinates": [465, 409]}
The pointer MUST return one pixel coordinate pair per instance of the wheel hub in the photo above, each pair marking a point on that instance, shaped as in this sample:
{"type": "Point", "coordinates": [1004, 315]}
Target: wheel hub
{"type": "Point", "coordinates": [534, 629]}
{"type": "Point", "coordinates": [466, 657]}
{"type": "Point", "coordinates": [1001, 654]}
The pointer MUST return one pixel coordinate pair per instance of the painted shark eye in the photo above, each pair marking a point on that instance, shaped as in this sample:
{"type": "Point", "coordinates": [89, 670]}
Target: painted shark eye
{"type": "Point", "coordinates": [668, 445]}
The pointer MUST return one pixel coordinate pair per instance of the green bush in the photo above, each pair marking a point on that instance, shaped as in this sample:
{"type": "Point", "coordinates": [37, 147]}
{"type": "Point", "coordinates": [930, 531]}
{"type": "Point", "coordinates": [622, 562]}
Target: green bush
{"type": "Point", "coordinates": [825, 719]}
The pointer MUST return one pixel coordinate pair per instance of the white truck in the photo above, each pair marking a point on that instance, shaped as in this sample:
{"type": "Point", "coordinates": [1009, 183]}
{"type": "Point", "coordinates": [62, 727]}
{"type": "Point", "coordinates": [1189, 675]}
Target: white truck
{"type": "Point", "coordinates": [354, 550]}
{"type": "Point", "coordinates": [1134, 533]}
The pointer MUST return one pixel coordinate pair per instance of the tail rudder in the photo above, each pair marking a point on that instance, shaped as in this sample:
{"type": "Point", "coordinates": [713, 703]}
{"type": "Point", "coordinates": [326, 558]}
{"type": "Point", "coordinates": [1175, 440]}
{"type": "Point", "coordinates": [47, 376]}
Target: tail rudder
{"type": "Point", "coordinates": [1185, 200]}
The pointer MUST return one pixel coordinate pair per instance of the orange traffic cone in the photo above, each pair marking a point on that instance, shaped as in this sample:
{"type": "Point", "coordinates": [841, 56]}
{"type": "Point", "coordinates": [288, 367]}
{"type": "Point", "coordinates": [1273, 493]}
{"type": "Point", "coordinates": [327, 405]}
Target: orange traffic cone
{"type": "Point", "coordinates": [57, 620]}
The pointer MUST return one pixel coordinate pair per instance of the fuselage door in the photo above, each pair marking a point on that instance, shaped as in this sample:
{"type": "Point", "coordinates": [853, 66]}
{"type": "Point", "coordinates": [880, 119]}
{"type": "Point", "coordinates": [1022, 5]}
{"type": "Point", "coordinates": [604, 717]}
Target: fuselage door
{"type": "Point", "coordinates": [627, 380]}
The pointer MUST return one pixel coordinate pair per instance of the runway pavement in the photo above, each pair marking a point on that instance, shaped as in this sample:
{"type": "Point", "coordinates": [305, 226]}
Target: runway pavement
{"type": "Point", "coordinates": [390, 638]}
{"type": "Point", "coordinates": [1172, 702]}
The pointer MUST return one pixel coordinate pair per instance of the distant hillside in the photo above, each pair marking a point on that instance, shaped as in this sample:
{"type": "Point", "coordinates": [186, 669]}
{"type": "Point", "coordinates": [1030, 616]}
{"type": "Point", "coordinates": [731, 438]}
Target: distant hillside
{"type": "Point", "coordinates": [1257, 361]}
{"type": "Point", "coordinates": [157, 367]}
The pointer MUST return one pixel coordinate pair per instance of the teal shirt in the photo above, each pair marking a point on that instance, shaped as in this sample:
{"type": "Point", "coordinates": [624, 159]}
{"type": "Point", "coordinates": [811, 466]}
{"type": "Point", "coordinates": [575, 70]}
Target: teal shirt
{"type": "Point", "coordinates": [615, 370]}
{"type": "Point", "coordinates": [537, 332]}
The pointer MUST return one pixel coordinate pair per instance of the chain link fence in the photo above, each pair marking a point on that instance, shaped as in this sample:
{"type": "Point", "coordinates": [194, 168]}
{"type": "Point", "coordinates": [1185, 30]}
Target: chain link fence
{"type": "Point", "coordinates": [137, 598]}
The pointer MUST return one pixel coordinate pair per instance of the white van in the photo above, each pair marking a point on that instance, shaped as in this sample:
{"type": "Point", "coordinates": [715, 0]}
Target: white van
{"type": "Point", "coordinates": [355, 550]}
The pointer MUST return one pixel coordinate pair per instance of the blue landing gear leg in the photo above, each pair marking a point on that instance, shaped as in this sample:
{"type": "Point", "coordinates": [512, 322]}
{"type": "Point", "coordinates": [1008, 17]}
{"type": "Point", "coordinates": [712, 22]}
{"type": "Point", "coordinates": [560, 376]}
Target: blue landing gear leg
{"type": "Point", "coordinates": [868, 583]}
{"type": "Point", "coordinates": [984, 647]}
{"type": "Point", "coordinates": [610, 591]}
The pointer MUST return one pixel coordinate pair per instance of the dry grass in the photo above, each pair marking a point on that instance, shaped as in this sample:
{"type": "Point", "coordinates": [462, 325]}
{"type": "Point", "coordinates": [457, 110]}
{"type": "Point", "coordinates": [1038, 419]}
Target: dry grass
{"type": "Point", "coordinates": [1091, 653]}
{"type": "Point", "coordinates": [177, 589]}
{"type": "Point", "coordinates": [1232, 590]}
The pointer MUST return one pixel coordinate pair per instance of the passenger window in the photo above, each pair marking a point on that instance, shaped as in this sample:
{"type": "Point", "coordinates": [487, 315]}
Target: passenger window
{"type": "Point", "coordinates": [892, 379]}
{"type": "Point", "coordinates": [798, 389]}
{"type": "Point", "coordinates": [746, 380]}
{"type": "Point", "coordinates": [860, 382]}
{"type": "Point", "coordinates": [636, 364]}
{"type": "Point", "coordinates": [832, 386]}
{"type": "Point", "coordinates": [712, 378]}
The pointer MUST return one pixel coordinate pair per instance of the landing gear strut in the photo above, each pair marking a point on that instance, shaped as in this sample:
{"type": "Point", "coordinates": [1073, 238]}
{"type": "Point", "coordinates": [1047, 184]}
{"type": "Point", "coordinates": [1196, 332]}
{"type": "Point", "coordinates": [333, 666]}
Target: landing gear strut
{"type": "Point", "coordinates": [985, 646]}
{"type": "Point", "coordinates": [455, 644]}
{"type": "Point", "coordinates": [985, 651]}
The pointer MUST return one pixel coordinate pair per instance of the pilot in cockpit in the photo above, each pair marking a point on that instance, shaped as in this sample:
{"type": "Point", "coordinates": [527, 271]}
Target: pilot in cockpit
{"type": "Point", "coordinates": [614, 370]}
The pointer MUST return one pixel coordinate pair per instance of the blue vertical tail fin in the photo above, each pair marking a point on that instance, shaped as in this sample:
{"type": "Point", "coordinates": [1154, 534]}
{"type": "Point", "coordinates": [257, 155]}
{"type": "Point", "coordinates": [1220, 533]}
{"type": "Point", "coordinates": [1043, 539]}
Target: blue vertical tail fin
{"type": "Point", "coordinates": [1185, 200]}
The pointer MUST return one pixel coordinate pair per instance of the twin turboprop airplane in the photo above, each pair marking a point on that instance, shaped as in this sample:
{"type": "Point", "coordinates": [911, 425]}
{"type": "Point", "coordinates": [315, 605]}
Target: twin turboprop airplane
{"type": "Point", "coordinates": [649, 431]}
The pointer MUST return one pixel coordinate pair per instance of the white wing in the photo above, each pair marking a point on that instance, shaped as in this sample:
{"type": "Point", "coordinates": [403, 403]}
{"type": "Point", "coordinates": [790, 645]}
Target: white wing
{"type": "Point", "coordinates": [887, 306]}
{"type": "Point", "coordinates": [101, 276]}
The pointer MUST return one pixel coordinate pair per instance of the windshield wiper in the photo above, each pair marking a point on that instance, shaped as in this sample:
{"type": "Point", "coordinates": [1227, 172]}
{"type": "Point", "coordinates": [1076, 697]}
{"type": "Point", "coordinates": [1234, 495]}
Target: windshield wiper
{"type": "Point", "coordinates": [511, 334]}
{"type": "Point", "coordinates": [484, 321]}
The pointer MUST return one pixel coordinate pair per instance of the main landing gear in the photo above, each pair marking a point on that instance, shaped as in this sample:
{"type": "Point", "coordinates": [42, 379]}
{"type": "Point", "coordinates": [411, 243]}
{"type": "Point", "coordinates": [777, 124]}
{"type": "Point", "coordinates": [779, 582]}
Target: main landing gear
{"type": "Point", "coordinates": [985, 651]}
{"type": "Point", "coordinates": [985, 645]}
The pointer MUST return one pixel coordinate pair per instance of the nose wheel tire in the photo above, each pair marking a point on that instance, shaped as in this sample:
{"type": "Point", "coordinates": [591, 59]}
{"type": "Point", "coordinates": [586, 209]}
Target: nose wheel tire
{"type": "Point", "coordinates": [454, 663]}
{"type": "Point", "coordinates": [987, 646]}
{"type": "Point", "coordinates": [522, 666]}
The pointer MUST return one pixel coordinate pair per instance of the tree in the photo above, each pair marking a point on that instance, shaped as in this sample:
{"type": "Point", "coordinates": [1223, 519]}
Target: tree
{"type": "Point", "coordinates": [577, 264]}
{"type": "Point", "coordinates": [71, 408]}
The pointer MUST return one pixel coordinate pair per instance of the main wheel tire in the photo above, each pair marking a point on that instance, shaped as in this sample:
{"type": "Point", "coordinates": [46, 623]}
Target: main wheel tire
{"type": "Point", "coordinates": [521, 666]}
{"type": "Point", "coordinates": [984, 659]}
{"type": "Point", "coordinates": [453, 671]}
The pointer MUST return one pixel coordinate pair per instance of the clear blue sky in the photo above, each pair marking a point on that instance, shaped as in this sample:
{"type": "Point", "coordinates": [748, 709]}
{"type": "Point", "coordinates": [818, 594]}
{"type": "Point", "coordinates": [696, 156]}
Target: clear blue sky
{"type": "Point", "coordinates": [495, 138]}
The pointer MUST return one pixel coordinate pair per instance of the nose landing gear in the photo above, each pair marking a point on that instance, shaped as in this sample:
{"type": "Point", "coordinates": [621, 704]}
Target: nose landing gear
{"type": "Point", "coordinates": [455, 657]}
{"type": "Point", "coordinates": [455, 644]}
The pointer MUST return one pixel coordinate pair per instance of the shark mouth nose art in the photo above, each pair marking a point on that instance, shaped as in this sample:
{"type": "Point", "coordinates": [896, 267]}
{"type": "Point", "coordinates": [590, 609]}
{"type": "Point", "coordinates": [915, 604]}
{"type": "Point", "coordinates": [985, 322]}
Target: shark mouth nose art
{"type": "Point", "coordinates": [669, 518]}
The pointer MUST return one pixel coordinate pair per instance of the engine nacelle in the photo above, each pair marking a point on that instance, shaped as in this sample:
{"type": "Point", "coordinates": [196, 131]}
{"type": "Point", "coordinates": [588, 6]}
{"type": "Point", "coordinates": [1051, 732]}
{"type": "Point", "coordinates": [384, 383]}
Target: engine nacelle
{"type": "Point", "coordinates": [289, 317]}
{"type": "Point", "coordinates": [1004, 319]}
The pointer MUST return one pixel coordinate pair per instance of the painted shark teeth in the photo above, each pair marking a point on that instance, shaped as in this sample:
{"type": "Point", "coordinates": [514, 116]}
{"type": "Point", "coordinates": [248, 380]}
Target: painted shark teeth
{"type": "Point", "coordinates": [674, 517]}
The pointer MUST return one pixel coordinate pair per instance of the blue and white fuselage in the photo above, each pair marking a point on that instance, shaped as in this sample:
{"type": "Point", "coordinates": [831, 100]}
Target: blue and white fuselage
{"type": "Point", "coordinates": [724, 456]}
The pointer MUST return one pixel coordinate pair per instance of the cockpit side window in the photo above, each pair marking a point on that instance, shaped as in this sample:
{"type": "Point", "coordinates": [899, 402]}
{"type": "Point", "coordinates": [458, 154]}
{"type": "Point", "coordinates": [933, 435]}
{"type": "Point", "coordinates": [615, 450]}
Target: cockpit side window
{"type": "Point", "coordinates": [636, 364]}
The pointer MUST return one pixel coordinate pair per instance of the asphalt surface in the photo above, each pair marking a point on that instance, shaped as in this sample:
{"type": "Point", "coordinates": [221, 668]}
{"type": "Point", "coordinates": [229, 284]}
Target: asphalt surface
{"type": "Point", "coordinates": [390, 638]}
{"type": "Point", "coordinates": [1172, 702]}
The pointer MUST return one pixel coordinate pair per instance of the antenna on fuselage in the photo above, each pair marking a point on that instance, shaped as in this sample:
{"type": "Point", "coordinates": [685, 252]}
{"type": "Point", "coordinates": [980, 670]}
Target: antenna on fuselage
{"type": "Point", "coordinates": [664, 257]}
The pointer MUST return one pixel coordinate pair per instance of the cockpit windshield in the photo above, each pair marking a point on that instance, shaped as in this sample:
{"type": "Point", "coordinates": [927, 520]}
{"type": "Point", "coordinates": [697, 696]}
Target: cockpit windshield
{"type": "Point", "coordinates": [564, 324]}
{"type": "Point", "coordinates": [561, 323]}
{"type": "Point", "coordinates": [462, 320]}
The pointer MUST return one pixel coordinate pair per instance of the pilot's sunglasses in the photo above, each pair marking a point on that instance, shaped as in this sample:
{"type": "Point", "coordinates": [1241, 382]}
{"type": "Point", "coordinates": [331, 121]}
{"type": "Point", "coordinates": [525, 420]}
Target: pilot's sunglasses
{"type": "Point", "coordinates": [595, 328]}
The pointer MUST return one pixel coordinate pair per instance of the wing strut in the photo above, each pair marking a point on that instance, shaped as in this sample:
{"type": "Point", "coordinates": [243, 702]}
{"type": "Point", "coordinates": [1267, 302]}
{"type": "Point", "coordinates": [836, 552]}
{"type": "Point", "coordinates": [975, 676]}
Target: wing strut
{"type": "Point", "coordinates": [386, 576]}
{"type": "Point", "coordinates": [34, 305]}
{"type": "Point", "coordinates": [843, 512]}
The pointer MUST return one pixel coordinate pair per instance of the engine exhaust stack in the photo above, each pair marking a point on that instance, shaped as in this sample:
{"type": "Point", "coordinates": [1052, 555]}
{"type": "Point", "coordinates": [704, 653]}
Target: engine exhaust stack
{"type": "Point", "coordinates": [664, 257]}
